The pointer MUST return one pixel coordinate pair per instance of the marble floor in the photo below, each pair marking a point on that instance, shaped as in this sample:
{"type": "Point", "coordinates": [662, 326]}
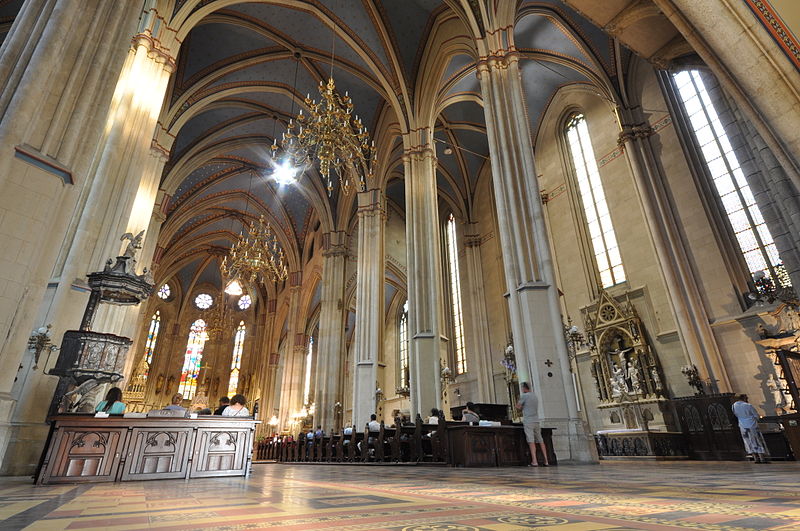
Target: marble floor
{"type": "Point", "coordinates": [609, 496]}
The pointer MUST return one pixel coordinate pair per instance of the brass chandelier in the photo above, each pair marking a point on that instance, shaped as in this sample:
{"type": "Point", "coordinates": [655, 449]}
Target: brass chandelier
{"type": "Point", "coordinates": [255, 257]}
{"type": "Point", "coordinates": [218, 319]}
{"type": "Point", "coordinates": [331, 135]}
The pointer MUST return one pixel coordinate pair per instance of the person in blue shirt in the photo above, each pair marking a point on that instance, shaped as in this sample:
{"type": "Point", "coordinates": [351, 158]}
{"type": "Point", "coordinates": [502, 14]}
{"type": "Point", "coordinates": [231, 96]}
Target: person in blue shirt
{"type": "Point", "coordinates": [113, 404]}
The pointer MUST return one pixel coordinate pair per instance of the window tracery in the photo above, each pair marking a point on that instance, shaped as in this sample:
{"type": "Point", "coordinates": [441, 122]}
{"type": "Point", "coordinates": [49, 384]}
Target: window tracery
{"type": "Point", "coordinates": [455, 292]}
{"type": "Point", "coordinates": [598, 218]}
{"type": "Point", "coordinates": [236, 362]}
{"type": "Point", "coordinates": [192, 359]}
{"type": "Point", "coordinates": [744, 216]}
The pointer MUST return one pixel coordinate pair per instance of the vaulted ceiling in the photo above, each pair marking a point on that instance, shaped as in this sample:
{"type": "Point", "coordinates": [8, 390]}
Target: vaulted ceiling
{"type": "Point", "coordinates": [244, 68]}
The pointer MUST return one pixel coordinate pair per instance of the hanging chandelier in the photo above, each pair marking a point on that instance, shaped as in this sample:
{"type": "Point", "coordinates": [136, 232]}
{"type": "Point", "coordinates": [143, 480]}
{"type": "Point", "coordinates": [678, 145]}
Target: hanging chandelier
{"type": "Point", "coordinates": [218, 319]}
{"type": "Point", "coordinates": [331, 136]}
{"type": "Point", "coordinates": [255, 257]}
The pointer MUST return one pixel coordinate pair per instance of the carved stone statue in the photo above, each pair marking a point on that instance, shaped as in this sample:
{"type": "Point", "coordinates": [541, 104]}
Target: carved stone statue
{"type": "Point", "coordinates": [656, 379]}
{"type": "Point", "coordinates": [134, 243]}
{"type": "Point", "coordinates": [633, 376]}
{"type": "Point", "coordinates": [776, 389]}
{"type": "Point", "coordinates": [617, 381]}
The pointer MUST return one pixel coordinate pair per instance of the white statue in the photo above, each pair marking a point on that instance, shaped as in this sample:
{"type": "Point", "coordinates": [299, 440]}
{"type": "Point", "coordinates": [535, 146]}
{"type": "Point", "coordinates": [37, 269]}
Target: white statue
{"type": "Point", "coordinates": [633, 375]}
{"type": "Point", "coordinates": [777, 391]}
{"type": "Point", "coordinates": [617, 381]}
{"type": "Point", "coordinates": [656, 379]}
{"type": "Point", "coordinates": [134, 243]}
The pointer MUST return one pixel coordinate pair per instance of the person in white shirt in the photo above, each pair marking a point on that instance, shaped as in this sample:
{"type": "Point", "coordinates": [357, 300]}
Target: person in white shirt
{"type": "Point", "coordinates": [236, 409]}
{"type": "Point", "coordinates": [434, 418]}
{"type": "Point", "coordinates": [748, 426]}
{"type": "Point", "coordinates": [373, 425]}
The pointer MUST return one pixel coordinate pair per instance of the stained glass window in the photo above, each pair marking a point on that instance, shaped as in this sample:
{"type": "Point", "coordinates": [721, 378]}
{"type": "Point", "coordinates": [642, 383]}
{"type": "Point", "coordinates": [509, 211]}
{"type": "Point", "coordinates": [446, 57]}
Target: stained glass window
{"type": "Point", "coordinates": [752, 234]}
{"type": "Point", "coordinates": [164, 291]}
{"type": "Point", "coordinates": [307, 380]}
{"type": "Point", "coordinates": [152, 336]}
{"type": "Point", "coordinates": [203, 301]}
{"type": "Point", "coordinates": [236, 362]}
{"type": "Point", "coordinates": [192, 359]}
{"type": "Point", "coordinates": [593, 198]}
{"type": "Point", "coordinates": [244, 302]}
{"type": "Point", "coordinates": [403, 335]}
{"type": "Point", "coordinates": [455, 292]}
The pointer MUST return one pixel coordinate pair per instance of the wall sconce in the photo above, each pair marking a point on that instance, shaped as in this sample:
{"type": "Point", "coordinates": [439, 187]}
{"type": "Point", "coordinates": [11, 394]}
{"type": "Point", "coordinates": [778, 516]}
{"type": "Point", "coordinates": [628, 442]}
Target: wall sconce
{"type": "Point", "coordinates": [39, 342]}
{"type": "Point", "coordinates": [379, 395]}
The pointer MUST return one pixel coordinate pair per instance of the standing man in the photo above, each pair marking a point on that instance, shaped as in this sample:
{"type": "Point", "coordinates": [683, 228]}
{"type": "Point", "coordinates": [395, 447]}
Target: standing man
{"type": "Point", "coordinates": [529, 405]}
{"type": "Point", "coordinates": [748, 426]}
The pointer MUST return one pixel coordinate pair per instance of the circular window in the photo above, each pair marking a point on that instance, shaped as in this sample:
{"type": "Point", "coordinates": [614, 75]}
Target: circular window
{"type": "Point", "coordinates": [244, 302]}
{"type": "Point", "coordinates": [203, 301]}
{"type": "Point", "coordinates": [164, 292]}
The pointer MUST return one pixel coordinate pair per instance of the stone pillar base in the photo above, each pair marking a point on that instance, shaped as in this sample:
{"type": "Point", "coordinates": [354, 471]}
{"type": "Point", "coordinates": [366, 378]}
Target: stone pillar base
{"type": "Point", "coordinates": [572, 441]}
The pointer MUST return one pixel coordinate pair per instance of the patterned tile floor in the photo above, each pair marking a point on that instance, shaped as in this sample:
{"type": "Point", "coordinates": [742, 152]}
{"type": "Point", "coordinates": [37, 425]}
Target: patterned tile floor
{"type": "Point", "coordinates": [609, 496]}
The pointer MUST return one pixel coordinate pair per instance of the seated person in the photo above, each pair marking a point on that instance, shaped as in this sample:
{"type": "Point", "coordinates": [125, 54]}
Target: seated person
{"type": "Point", "coordinates": [223, 403]}
{"type": "Point", "coordinates": [373, 425]}
{"type": "Point", "coordinates": [175, 404]}
{"type": "Point", "coordinates": [467, 415]}
{"type": "Point", "coordinates": [113, 404]}
{"type": "Point", "coordinates": [204, 411]}
{"type": "Point", "coordinates": [236, 409]}
{"type": "Point", "coordinates": [434, 418]}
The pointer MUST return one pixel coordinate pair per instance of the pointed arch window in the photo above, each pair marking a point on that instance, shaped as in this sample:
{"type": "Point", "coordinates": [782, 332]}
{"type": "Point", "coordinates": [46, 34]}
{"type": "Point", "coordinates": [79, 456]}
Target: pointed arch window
{"type": "Point", "coordinates": [455, 296]}
{"type": "Point", "coordinates": [307, 378]}
{"type": "Point", "coordinates": [236, 362]}
{"type": "Point", "coordinates": [595, 208]}
{"type": "Point", "coordinates": [403, 350]}
{"type": "Point", "coordinates": [152, 337]}
{"type": "Point", "coordinates": [192, 359]}
{"type": "Point", "coordinates": [754, 238]}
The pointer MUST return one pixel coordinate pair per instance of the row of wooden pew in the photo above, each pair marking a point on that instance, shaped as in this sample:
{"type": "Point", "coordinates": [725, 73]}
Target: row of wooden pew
{"type": "Point", "coordinates": [411, 443]}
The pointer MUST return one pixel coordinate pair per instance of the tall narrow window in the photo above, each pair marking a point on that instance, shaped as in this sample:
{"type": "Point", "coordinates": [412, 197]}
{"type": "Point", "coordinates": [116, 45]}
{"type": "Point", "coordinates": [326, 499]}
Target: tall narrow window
{"type": "Point", "coordinates": [455, 296]}
{"type": "Point", "coordinates": [236, 362]}
{"type": "Point", "coordinates": [601, 231]}
{"type": "Point", "coordinates": [152, 336]}
{"type": "Point", "coordinates": [307, 380]}
{"type": "Point", "coordinates": [752, 234]}
{"type": "Point", "coordinates": [403, 336]}
{"type": "Point", "coordinates": [192, 359]}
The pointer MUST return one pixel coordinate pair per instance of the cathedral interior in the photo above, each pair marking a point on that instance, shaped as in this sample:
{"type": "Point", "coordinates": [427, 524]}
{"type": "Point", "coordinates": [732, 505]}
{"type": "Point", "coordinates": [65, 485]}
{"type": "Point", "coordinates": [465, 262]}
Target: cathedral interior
{"type": "Point", "coordinates": [340, 208]}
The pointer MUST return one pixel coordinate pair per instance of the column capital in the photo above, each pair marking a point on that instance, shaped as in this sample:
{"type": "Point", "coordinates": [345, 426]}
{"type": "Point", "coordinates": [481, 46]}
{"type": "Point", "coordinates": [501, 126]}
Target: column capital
{"type": "Point", "coordinates": [631, 132]}
{"type": "Point", "coordinates": [295, 279]}
{"type": "Point", "coordinates": [334, 243]}
{"type": "Point", "coordinates": [497, 60]}
{"type": "Point", "coordinates": [370, 203]}
{"type": "Point", "coordinates": [155, 51]}
{"type": "Point", "coordinates": [158, 151]}
{"type": "Point", "coordinates": [472, 240]}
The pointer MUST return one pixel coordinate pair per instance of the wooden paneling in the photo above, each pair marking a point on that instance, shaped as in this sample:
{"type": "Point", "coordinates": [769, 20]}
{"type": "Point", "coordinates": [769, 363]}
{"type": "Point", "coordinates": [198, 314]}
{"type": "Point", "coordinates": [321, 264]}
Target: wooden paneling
{"type": "Point", "coordinates": [83, 448]}
{"type": "Point", "coordinates": [156, 453]}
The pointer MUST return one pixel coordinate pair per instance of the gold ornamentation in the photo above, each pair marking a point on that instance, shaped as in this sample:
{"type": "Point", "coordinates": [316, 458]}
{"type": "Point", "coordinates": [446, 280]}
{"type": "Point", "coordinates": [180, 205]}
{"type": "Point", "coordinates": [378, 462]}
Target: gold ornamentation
{"type": "Point", "coordinates": [255, 257]}
{"type": "Point", "coordinates": [330, 135]}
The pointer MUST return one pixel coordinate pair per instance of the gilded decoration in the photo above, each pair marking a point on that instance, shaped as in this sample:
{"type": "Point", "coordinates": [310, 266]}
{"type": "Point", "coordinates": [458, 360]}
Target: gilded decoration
{"type": "Point", "coordinates": [623, 366]}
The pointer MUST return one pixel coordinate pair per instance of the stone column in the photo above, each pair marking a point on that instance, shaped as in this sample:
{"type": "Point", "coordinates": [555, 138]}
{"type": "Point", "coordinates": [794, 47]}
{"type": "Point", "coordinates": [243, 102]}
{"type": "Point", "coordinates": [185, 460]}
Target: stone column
{"type": "Point", "coordinates": [369, 303]}
{"type": "Point", "coordinates": [690, 314]}
{"type": "Point", "coordinates": [532, 295]}
{"type": "Point", "coordinates": [427, 344]}
{"type": "Point", "coordinates": [58, 68]}
{"type": "Point", "coordinates": [476, 321]}
{"type": "Point", "coordinates": [292, 380]}
{"type": "Point", "coordinates": [330, 351]}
